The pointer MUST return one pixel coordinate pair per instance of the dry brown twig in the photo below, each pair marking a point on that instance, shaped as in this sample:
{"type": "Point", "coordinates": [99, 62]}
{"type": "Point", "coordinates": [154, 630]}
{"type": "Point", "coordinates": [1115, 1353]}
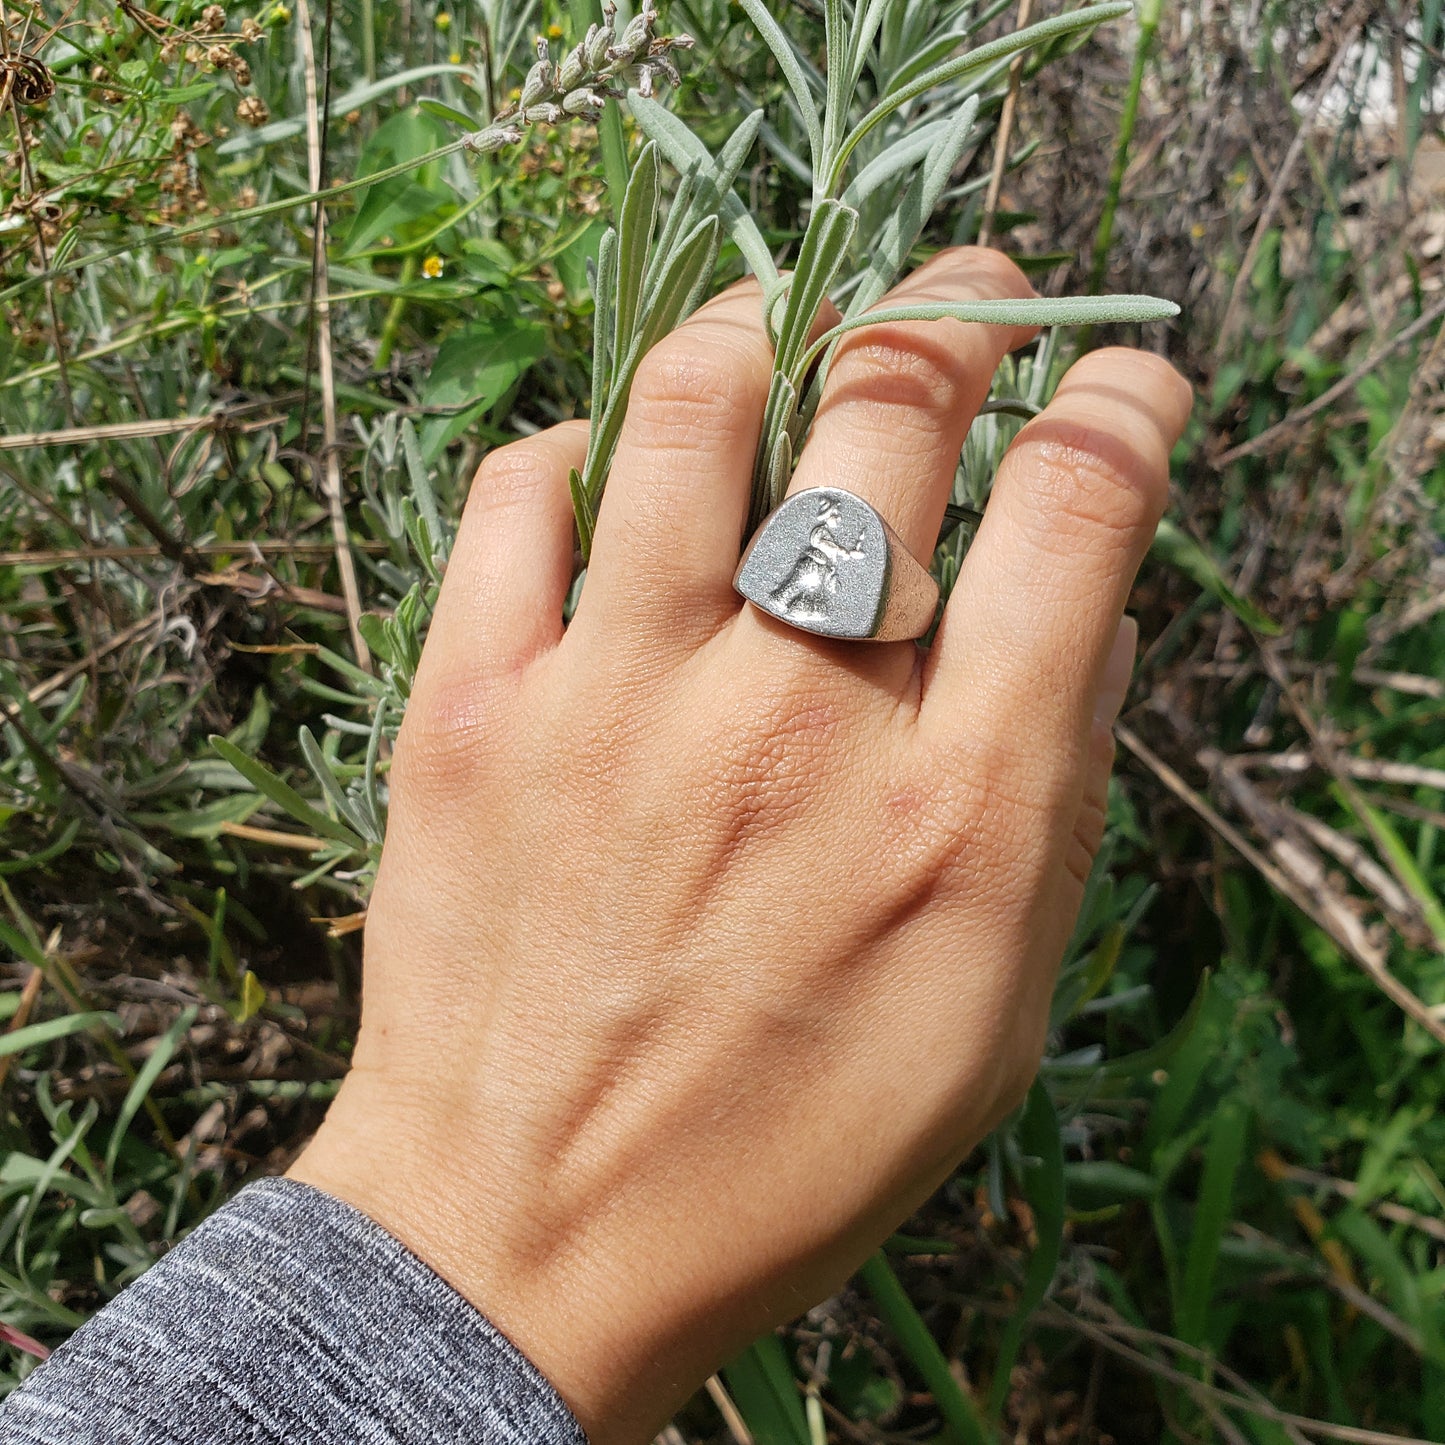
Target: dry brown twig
{"type": "Point", "coordinates": [1112, 1337]}
{"type": "Point", "coordinates": [1290, 869]}
{"type": "Point", "coordinates": [1005, 131]}
{"type": "Point", "coordinates": [1282, 179]}
{"type": "Point", "coordinates": [331, 485]}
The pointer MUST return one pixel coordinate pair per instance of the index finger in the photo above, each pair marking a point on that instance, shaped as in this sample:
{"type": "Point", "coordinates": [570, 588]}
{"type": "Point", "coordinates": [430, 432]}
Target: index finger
{"type": "Point", "coordinates": [1074, 507]}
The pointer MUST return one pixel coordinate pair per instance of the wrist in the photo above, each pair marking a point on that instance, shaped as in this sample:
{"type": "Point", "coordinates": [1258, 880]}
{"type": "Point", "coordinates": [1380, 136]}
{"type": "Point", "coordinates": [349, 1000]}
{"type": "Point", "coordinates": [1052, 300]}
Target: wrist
{"type": "Point", "coordinates": [567, 1298]}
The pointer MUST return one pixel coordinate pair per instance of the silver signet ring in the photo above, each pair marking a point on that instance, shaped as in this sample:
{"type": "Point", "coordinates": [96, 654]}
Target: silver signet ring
{"type": "Point", "coordinates": [826, 562]}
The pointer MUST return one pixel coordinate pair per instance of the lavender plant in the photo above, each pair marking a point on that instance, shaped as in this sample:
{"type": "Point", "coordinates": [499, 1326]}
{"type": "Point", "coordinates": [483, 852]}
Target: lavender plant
{"type": "Point", "coordinates": [883, 139]}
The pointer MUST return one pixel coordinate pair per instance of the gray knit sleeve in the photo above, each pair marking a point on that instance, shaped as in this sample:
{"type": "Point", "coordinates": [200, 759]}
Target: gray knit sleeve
{"type": "Point", "coordinates": [287, 1318]}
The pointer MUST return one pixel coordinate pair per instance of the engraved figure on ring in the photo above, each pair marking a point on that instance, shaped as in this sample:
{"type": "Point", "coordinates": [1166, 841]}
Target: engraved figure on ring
{"type": "Point", "coordinates": [814, 577]}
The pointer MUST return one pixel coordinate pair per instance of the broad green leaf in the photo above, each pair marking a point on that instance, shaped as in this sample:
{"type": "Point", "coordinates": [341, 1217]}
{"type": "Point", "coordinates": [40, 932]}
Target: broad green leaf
{"type": "Point", "coordinates": [357, 98]}
{"type": "Point", "coordinates": [475, 368]}
{"type": "Point", "coordinates": [443, 111]}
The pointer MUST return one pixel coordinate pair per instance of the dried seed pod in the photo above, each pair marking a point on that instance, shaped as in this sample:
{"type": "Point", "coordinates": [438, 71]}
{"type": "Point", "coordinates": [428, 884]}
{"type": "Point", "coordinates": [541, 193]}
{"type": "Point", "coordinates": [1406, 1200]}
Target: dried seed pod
{"type": "Point", "coordinates": [253, 111]}
{"type": "Point", "coordinates": [251, 30]}
{"type": "Point", "coordinates": [241, 71]}
{"type": "Point", "coordinates": [213, 20]}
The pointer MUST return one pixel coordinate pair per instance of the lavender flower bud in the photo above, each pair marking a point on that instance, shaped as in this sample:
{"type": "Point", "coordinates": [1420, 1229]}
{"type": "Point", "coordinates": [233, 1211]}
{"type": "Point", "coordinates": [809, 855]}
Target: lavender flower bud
{"type": "Point", "coordinates": [635, 38]}
{"type": "Point", "coordinates": [599, 45]}
{"type": "Point", "coordinates": [644, 82]}
{"type": "Point", "coordinates": [542, 114]}
{"type": "Point", "coordinates": [572, 69]}
{"type": "Point", "coordinates": [538, 84]}
{"type": "Point", "coordinates": [494, 138]}
{"type": "Point", "coordinates": [583, 102]}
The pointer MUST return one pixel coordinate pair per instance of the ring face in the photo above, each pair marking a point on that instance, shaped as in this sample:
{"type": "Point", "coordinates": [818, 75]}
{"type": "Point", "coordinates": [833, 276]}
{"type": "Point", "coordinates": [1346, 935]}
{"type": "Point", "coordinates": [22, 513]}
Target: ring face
{"type": "Point", "coordinates": [826, 562]}
{"type": "Point", "coordinates": [819, 562]}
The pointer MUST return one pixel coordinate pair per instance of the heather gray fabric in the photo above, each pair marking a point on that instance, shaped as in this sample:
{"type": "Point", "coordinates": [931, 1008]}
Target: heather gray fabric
{"type": "Point", "coordinates": [287, 1318]}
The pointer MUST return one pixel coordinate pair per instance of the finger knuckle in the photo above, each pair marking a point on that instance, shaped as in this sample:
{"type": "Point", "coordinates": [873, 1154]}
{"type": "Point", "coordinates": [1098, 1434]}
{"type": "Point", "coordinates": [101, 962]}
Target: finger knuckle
{"type": "Point", "coordinates": [446, 741]}
{"type": "Point", "coordinates": [689, 391]}
{"type": "Point", "coordinates": [1085, 498]}
{"type": "Point", "coordinates": [515, 475]}
{"type": "Point", "coordinates": [905, 373]}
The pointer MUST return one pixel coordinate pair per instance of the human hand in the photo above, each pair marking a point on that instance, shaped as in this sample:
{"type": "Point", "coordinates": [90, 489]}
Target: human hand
{"type": "Point", "coordinates": [702, 950]}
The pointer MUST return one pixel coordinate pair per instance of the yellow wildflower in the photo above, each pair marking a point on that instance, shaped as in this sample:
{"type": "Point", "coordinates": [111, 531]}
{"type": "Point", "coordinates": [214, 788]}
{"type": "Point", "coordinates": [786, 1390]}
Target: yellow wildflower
{"type": "Point", "coordinates": [444, 20]}
{"type": "Point", "coordinates": [431, 268]}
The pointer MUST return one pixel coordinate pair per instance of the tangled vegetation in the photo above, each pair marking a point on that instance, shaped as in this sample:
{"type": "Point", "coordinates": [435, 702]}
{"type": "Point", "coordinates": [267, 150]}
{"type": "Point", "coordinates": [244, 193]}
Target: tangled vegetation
{"type": "Point", "coordinates": [273, 281]}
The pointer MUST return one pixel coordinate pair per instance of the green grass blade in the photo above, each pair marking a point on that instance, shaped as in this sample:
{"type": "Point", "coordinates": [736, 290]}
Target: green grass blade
{"type": "Point", "coordinates": [32, 1035]}
{"type": "Point", "coordinates": [1043, 1185]}
{"type": "Point", "coordinates": [154, 1066]}
{"type": "Point", "coordinates": [962, 1421]}
{"type": "Point", "coordinates": [761, 1384]}
{"type": "Point", "coordinates": [1222, 1158]}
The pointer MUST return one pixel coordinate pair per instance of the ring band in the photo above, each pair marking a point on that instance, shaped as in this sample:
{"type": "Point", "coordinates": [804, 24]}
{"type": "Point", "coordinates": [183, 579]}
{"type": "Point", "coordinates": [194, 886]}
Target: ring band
{"type": "Point", "coordinates": [826, 562]}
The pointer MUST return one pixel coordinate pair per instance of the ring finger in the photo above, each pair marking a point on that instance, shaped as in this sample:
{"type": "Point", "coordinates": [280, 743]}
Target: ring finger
{"type": "Point", "coordinates": [900, 397]}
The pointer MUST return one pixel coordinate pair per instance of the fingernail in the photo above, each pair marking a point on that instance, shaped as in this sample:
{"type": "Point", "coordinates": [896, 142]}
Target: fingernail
{"type": "Point", "coordinates": [1117, 671]}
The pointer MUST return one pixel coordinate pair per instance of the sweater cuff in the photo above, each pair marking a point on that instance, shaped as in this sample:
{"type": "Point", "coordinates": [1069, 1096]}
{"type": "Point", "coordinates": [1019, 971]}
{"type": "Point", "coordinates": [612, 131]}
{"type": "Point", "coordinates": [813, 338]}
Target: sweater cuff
{"type": "Point", "coordinates": [288, 1316]}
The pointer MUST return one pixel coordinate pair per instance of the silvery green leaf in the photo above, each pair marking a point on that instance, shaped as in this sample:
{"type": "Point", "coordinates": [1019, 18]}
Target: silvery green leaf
{"type": "Point", "coordinates": [1038, 311]}
{"type": "Point", "coordinates": [985, 55]}
{"type": "Point", "coordinates": [897, 160]}
{"type": "Point", "coordinates": [890, 251]}
{"type": "Point", "coordinates": [825, 244]}
{"type": "Point", "coordinates": [780, 468]}
{"type": "Point", "coordinates": [839, 46]}
{"type": "Point", "coordinates": [317, 762]}
{"type": "Point", "coordinates": [681, 148]}
{"type": "Point", "coordinates": [636, 227]}
{"type": "Point", "coordinates": [777, 41]}
{"type": "Point", "coordinates": [773, 463]}
{"type": "Point", "coordinates": [866, 23]}
{"type": "Point", "coordinates": [680, 280]}
{"type": "Point", "coordinates": [687, 209]}
{"type": "Point", "coordinates": [604, 291]}
{"type": "Point", "coordinates": [693, 261]}
{"type": "Point", "coordinates": [375, 813]}
{"type": "Point", "coordinates": [421, 489]}
{"type": "Point", "coordinates": [582, 510]}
